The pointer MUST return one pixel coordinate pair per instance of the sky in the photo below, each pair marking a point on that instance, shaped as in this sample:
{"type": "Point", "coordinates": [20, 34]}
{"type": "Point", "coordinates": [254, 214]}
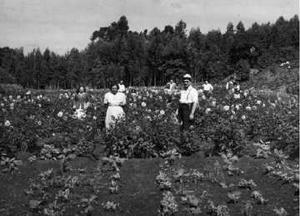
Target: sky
{"type": "Point", "coordinates": [61, 25]}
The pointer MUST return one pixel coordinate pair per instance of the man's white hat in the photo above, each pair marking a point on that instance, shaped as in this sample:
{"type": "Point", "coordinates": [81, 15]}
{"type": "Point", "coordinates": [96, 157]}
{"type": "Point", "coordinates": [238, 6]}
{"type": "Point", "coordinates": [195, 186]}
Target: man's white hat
{"type": "Point", "coordinates": [187, 76]}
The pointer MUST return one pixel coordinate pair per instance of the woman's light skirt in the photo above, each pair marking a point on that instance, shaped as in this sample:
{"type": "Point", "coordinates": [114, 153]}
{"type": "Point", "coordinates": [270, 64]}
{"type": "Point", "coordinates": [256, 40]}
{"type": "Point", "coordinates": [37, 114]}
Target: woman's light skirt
{"type": "Point", "coordinates": [113, 114]}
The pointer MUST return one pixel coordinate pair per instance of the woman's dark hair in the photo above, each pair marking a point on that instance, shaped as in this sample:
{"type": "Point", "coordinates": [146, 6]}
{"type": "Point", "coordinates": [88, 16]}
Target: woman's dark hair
{"type": "Point", "coordinates": [114, 84]}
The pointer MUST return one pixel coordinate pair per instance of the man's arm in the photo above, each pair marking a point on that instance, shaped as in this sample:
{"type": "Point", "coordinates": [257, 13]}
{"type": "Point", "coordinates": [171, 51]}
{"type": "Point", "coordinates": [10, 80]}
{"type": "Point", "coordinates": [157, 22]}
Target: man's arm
{"type": "Point", "coordinates": [193, 110]}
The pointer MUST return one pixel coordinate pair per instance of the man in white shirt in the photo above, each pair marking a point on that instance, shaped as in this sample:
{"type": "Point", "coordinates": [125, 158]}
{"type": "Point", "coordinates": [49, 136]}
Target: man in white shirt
{"type": "Point", "coordinates": [121, 87]}
{"type": "Point", "coordinates": [187, 104]}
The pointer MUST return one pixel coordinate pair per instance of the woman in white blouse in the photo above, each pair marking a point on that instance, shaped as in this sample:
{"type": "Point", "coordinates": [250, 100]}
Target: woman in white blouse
{"type": "Point", "coordinates": [115, 101]}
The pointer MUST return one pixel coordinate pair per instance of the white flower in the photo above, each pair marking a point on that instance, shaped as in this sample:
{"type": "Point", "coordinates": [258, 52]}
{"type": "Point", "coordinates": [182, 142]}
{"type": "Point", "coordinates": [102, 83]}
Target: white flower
{"type": "Point", "coordinates": [7, 123]}
{"type": "Point", "coordinates": [18, 97]}
{"type": "Point", "coordinates": [258, 102]}
{"type": "Point", "coordinates": [95, 117]}
{"type": "Point", "coordinates": [237, 106]}
{"type": "Point", "coordinates": [263, 105]}
{"type": "Point", "coordinates": [10, 97]}
{"type": "Point", "coordinates": [2, 104]}
{"type": "Point", "coordinates": [207, 110]}
{"type": "Point", "coordinates": [138, 128]}
{"type": "Point", "coordinates": [248, 108]}
{"type": "Point", "coordinates": [143, 104]}
{"type": "Point", "coordinates": [39, 123]}
{"type": "Point", "coordinates": [236, 96]}
{"type": "Point", "coordinates": [214, 103]}
{"type": "Point", "coordinates": [162, 112]}
{"type": "Point", "coordinates": [243, 117]}
{"type": "Point", "coordinates": [79, 114]}
{"type": "Point", "coordinates": [203, 97]}
{"type": "Point", "coordinates": [60, 114]}
{"type": "Point", "coordinates": [226, 108]}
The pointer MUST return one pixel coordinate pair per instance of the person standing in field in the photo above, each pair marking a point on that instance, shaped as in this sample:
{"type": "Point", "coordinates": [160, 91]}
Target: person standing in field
{"type": "Point", "coordinates": [187, 104]}
{"type": "Point", "coordinates": [207, 88]}
{"type": "Point", "coordinates": [114, 101]}
{"type": "Point", "coordinates": [172, 85]}
{"type": "Point", "coordinates": [81, 98]}
{"type": "Point", "coordinates": [236, 89]}
{"type": "Point", "coordinates": [122, 87]}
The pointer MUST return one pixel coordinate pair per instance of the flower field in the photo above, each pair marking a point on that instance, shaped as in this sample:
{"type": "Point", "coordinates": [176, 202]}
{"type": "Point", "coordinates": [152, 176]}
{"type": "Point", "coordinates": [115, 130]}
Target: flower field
{"type": "Point", "coordinates": [208, 171]}
{"type": "Point", "coordinates": [224, 122]}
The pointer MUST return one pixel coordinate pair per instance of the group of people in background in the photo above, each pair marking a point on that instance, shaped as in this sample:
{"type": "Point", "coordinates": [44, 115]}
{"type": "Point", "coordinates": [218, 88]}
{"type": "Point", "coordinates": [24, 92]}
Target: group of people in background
{"type": "Point", "coordinates": [115, 100]}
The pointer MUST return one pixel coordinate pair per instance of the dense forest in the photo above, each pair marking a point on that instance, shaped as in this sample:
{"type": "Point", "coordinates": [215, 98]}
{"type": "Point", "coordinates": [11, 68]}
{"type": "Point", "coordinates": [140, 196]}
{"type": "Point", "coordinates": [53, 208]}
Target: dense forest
{"type": "Point", "coordinates": [153, 57]}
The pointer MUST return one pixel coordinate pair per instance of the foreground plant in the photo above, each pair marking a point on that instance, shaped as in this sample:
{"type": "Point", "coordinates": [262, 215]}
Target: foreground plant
{"type": "Point", "coordinates": [163, 181]}
{"type": "Point", "coordinates": [234, 196]}
{"type": "Point", "coordinates": [10, 164]}
{"type": "Point", "coordinates": [249, 184]}
{"type": "Point", "coordinates": [280, 212]}
{"type": "Point", "coordinates": [168, 205]}
{"type": "Point", "coordinates": [219, 210]}
{"type": "Point", "coordinates": [258, 197]}
{"type": "Point", "coordinates": [110, 205]}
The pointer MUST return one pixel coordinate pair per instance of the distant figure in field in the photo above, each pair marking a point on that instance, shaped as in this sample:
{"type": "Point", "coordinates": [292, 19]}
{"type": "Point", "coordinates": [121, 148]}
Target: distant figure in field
{"type": "Point", "coordinates": [81, 99]}
{"type": "Point", "coordinates": [122, 87]}
{"type": "Point", "coordinates": [236, 90]}
{"type": "Point", "coordinates": [207, 89]}
{"type": "Point", "coordinates": [170, 87]}
{"type": "Point", "coordinates": [115, 101]}
{"type": "Point", "coordinates": [187, 104]}
{"type": "Point", "coordinates": [229, 84]}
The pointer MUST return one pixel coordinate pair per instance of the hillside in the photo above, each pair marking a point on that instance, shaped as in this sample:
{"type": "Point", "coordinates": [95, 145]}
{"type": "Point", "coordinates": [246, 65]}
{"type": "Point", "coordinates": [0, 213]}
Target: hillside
{"type": "Point", "coordinates": [277, 78]}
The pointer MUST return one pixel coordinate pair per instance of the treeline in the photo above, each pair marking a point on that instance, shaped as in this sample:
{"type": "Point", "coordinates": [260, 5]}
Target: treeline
{"type": "Point", "coordinates": [153, 57]}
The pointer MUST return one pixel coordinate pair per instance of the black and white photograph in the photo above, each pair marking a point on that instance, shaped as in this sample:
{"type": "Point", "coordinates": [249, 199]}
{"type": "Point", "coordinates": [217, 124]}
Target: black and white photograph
{"type": "Point", "coordinates": [149, 108]}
